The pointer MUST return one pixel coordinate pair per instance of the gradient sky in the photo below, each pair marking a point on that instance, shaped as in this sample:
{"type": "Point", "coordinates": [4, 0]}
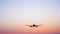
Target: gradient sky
{"type": "Point", "coordinates": [14, 14]}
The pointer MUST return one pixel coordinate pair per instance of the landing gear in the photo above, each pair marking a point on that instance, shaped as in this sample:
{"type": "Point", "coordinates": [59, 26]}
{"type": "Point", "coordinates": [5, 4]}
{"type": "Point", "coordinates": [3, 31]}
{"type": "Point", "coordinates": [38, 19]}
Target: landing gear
{"type": "Point", "coordinates": [30, 26]}
{"type": "Point", "coordinates": [36, 26]}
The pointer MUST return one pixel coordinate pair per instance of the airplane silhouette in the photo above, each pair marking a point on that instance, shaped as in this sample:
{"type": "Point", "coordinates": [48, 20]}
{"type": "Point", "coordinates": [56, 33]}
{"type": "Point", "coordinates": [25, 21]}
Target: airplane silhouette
{"type": "Point", "coordinates": [34, 25]}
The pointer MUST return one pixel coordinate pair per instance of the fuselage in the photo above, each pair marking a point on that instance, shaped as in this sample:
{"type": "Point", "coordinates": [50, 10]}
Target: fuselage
{"type": "Point", "coordinates": [33, 25]}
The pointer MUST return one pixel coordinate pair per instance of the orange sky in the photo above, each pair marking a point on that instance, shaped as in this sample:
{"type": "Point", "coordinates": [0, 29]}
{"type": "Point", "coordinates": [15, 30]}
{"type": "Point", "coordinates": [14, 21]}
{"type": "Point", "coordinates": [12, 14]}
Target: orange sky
{"type": "Point", "coordinates": [26, 29]}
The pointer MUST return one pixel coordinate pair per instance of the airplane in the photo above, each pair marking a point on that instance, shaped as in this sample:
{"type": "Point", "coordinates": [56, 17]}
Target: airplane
{"type": "Point", "coordinates": [34, 25]}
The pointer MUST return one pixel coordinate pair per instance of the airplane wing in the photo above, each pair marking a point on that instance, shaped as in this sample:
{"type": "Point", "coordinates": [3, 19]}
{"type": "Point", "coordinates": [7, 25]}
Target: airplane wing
{"type": "Point", "coordinates": [28, 25]}
{"type": "Point", "coordinates": [39, 25]}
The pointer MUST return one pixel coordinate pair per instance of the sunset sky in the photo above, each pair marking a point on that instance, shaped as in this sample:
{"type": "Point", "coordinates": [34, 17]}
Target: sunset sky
{"type": "Point", "coordinates": [14, 14]}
